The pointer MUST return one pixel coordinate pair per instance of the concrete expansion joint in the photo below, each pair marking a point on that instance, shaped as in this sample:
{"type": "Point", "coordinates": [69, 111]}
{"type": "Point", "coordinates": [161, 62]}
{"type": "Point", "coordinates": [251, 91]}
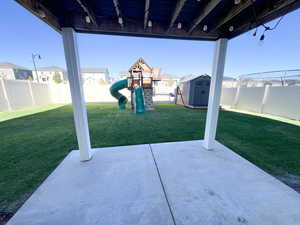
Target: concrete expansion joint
{"type": "Point", "coordinates": [162, 185]}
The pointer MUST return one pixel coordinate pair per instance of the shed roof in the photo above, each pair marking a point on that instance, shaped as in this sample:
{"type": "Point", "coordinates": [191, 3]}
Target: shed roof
{"type": "Point", "coordinates": [180, 19]}
{"type": "Point", "coordinates": [51, 68]}
{"type": "Point", "coordinates": [193, 77]}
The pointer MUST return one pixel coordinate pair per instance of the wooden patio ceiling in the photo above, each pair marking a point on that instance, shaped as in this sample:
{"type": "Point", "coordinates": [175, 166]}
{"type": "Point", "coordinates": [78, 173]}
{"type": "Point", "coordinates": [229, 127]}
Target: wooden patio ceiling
{"type": "Point", "coordinates": [178, 19]}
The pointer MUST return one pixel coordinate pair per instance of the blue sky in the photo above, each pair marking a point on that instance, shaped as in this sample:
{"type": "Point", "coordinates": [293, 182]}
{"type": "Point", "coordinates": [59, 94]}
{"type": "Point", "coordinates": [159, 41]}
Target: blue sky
{"type": "Point", "coordinates": [23, 34]}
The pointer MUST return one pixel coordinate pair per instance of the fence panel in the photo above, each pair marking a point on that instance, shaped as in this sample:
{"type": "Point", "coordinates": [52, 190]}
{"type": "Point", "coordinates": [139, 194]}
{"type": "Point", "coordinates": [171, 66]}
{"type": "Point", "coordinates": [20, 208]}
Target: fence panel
{"type": "Point", "coordinates": [18, 93]}
{"type": "Point", "coordinates": [250, 99]}
{"type": "Point", "coordinates": [41, 94]}
{"type": "Point", "coordinates": [283, 101]}
{"type": "Point", "coordinates": [228, 96]}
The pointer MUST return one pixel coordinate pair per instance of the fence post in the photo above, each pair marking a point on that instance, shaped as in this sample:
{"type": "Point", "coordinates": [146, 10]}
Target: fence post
{"type": "Point", "coordinates": [236, 98]}
{"type": "Point", "coordinates": [265, 98]}
{"type": "Point", "coordinates": [31, 93]}
{"type": "Point", "coordinates": [5, 94]}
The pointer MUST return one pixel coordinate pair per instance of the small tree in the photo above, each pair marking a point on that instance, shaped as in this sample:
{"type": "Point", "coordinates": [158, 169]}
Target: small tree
{"type": "Point", "coordinates": [29, 78]}
{"type": "Point", "coordinates": [102, 81]}
{"type": "Point", "coordinates": [57, 79]}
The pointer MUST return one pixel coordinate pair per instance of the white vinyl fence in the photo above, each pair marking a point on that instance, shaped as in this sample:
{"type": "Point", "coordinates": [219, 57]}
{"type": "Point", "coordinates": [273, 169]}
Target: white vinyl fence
{"type": "Point", "coordinates": [279, 101]}
{"type": "Point", "coordinates": [17, 94]}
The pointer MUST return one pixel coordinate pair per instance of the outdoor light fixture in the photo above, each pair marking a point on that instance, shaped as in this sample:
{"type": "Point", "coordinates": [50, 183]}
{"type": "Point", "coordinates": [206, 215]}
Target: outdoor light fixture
{"type": "Point", "coordinates": [205, 28]}
{"type": "Point", "coordinates": [255, 32]}
{"type": "Point", "coordinates": [236, 2]}
{"type": "Point", "coordinates": [231, 28]}
{"type": "Point", "coordinates": [120, 20]}
{"type": "Point", "coordinates": [149, 23]}
{"type": "Point", "coordinates": [87, 19]}
{"type": "Point", "coordinates": [41, 13]}
{"type": "Point", "coordinates": [179, 26]}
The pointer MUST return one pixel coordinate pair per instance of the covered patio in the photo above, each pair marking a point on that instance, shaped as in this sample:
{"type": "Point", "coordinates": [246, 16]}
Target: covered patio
{"type": "Point", "coordinates": [163, 184]}
{"type": "Point", "coordinates": [195, 182]}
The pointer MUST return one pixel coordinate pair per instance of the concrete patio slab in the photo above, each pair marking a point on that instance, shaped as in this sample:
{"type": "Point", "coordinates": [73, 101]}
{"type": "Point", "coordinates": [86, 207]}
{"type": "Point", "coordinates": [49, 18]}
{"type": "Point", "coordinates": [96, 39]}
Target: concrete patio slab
{"type": "Point", "coordinates": [118, 186]}
{"type": "Point", "coordinates": [177, 183]}
{"type": "Point", "coordinates": [221, 188]}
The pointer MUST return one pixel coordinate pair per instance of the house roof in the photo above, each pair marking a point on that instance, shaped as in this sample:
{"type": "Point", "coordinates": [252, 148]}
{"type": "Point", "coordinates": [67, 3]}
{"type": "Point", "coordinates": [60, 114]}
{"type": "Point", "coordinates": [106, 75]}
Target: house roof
{"type": "Point", "coordinates": [156, 73]}
{"type": "Point", "coordinates": [178, 19]}
{"type": "Point", "coordinates": [228, 79]}
{"type": "Point", "coordinates": [7, 65]}
{"type": "Point", "coordinates": [51, 68]}
{"type": "Point", "coordinates": [94, 70]}
{"type": "Point", "coordinates": [168, 77]}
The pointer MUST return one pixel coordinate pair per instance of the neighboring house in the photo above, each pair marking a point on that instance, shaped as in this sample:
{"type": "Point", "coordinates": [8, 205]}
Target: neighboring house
{"type": "Point", "coordinates": [123, 75]}
{"type": "Point", "coordinates": [168, 80]}
{"type": "Point", "coordinates": [50, 74]}
{"type": "Point", "coordinates": [95, 75]}
{"type": "Point", "coordinates": [11, 71]}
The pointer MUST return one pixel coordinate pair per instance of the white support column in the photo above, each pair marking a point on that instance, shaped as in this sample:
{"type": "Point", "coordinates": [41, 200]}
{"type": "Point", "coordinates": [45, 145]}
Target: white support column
{"type": "Point", "coordinates": [215, 93]}
{"type": "Point", "coordinates": [79, 108]}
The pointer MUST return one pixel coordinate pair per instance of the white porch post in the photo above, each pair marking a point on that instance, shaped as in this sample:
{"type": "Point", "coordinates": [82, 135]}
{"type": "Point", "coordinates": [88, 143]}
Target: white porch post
{"type": "Point", "coordinates": [79, 108]}
{"type": "Point", "coordinates": [215, 93]}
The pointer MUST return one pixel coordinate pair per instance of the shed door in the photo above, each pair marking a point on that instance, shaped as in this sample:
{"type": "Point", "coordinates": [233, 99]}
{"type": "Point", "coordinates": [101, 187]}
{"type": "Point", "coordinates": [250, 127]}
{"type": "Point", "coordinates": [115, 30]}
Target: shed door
{"type": "Point", "coordinates": [201, 93]}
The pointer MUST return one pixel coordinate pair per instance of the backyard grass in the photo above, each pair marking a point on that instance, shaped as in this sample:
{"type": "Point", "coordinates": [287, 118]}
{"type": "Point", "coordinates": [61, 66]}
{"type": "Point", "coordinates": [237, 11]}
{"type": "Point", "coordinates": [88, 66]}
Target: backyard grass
{"type": "Point", "coordinates": [33, 145]}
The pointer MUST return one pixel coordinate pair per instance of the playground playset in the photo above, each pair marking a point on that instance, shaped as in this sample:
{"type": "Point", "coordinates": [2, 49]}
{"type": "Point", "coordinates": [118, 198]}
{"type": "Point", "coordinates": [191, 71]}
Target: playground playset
{"type": "Point", "coordinates": [140, 81]}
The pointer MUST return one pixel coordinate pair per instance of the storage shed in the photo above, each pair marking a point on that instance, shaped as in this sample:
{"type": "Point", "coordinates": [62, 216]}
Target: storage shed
{"type": "Point", "coordinates": [193, 92]}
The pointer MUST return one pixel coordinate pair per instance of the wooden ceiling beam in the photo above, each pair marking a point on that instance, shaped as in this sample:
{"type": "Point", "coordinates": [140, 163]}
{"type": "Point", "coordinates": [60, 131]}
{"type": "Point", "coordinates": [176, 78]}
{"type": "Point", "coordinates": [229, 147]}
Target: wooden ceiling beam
{"type": "Point", "coordinates": [208, 8]}
{"type": "Point", "coordinates": [235, 11]}
{"type": "Point", "coordinates": [266, 16]}
{"type": "Point", "coordinates": [110, 26]}
{"type": "Point", "coordinates": [36, 8]}
{"type": "Point", "coordinates": [178, 8]}
{"type": "Point", "coordinates": [265, 13]}
{"type": "Point", "coordinates": [119, 13]}
{"type": "Point", "coordinates": [84, 5]}
{"type": "Point", "coordinates": [146, 13]}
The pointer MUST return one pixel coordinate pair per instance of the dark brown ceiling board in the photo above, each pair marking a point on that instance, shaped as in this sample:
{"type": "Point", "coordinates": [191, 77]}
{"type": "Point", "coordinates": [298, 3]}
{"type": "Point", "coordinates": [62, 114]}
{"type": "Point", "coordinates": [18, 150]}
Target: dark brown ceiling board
{"type": "Point", "coordinates": [266, 16]}
{"type": "Point", "coordinates": [84, 5]}
{"type": "Point", "coordinates": [235, 11]}
{"type": "Point", "coordinates": [218, 15]}
{"type": "Point", "coordinates": [178, 8]}
{"type": "Point", "coordinates": [146, 14]}
{"type": "Point", "coordinates": [36, 8]}
{"type": "Point", "coordinates": [110, 26]}
{"type": "Point", "coordinates": [211, 5]}
{"type": "Point", "coordinates": [118, 11]}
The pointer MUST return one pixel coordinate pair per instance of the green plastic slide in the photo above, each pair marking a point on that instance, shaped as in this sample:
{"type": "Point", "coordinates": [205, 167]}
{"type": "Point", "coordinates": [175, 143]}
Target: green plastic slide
{"type": "Point", "coordinates": [139, 101]}
{"type": "Point", "coordinates": [114, 90]}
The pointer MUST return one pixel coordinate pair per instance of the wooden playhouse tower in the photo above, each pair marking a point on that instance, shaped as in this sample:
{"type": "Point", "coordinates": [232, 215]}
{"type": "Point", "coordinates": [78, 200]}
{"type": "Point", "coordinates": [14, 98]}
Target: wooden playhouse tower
{"type": "Point", "coordinates": [140, 74]}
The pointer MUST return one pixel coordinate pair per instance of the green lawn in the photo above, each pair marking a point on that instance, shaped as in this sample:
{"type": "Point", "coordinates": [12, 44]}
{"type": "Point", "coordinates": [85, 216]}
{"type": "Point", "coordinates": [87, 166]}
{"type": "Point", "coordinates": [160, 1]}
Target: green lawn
{"type": "Point", "coordinates": [34, 144]}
